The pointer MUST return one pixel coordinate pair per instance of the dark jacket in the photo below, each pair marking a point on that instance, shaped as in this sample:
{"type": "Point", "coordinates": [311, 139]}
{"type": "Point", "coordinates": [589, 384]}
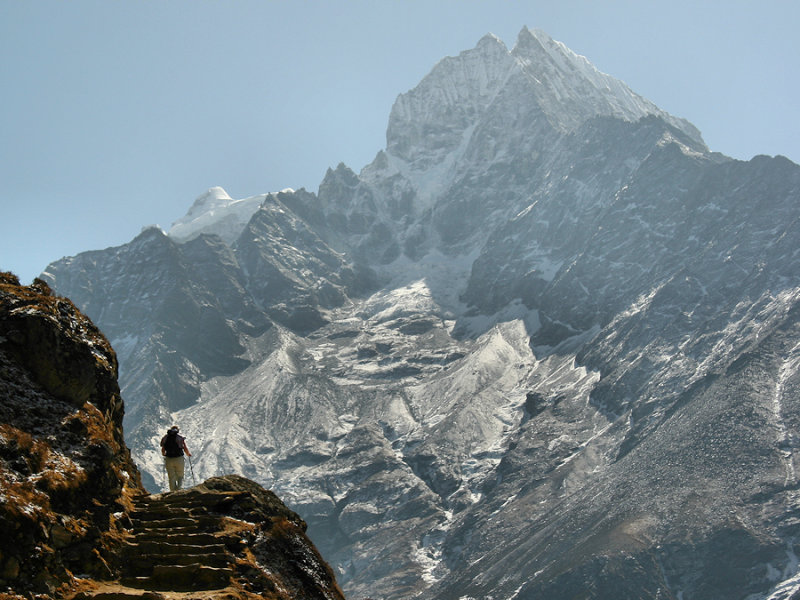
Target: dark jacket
{"type": "Point", "coordinates": [181, 446]}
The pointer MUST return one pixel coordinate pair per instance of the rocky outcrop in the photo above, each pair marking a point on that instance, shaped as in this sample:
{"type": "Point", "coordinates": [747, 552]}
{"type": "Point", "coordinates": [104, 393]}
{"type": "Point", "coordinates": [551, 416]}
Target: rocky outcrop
{"type": "Point", "coordinates": [75, 520]}
{"type": "Point", "coordinates": [228, 538]}
{"type": "Point", "coordinates": [65, 471]}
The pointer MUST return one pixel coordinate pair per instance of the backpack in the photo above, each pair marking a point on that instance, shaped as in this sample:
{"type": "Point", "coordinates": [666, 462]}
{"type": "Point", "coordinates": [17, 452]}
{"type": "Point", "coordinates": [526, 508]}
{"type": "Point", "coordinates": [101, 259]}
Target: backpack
{"type": "Point", "coordinates": [171, 445]}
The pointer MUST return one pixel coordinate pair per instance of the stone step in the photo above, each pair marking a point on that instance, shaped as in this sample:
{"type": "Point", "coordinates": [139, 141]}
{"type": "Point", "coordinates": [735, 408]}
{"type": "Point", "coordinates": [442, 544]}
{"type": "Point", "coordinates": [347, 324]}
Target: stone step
{"type": "Point", "coordinates": [202, 521]}
{"type": "Point", "coordinates": [166, 512]}
{"type": "Point", "coordinates": [182, 578]}
{"type": "Point", "coordinates": [189, 527]}
{"type": "Point", "coordinates": [120, 593]}
{"type": "Point", "coordinates": [145, 564]}
{"type": "Point", "coordinates": [173, 546]}
{"type": "Point", "coordinates": [170, 549]}
{"type": "Point", "coordinates": [210, 559]}
{"type": "Point", "coordinates": [183, 536]}
{"type": "Point", "coordinates": [167, 550]}
{"type": "Point", "coordinates": [171, 506]}
{"type": "Point", "coordinates": [165, 535]}
{"type": "Point", "coordinates": [192, 499]}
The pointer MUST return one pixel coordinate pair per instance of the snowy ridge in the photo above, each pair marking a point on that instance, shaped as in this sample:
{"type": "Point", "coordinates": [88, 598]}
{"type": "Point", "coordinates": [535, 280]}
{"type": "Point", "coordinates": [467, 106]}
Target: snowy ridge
{"type": "Point", "coordinates": [215, 212]}
{"type": "Point", "coordinates": [564, 78]}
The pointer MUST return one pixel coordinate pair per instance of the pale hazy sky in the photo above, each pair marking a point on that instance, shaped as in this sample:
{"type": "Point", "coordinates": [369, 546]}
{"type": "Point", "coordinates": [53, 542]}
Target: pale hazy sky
{"type": "Point", "coordinates": [116, 115]}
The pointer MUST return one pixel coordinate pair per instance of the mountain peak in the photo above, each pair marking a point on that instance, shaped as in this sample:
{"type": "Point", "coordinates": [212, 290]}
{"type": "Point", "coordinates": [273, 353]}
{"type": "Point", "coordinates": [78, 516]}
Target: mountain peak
{"type": "Point", "coordinates": [491, 40]}
{"type": "Point", "coordinates": [433, 120]}
{"type": "Point", "coordinates": [217, 192]}
{"type": "Point", "coordinates": [487, 92]}
{"type": "Point", "coordinates": [571, 90]}
{"type": "Point", "coordinates": [527, 35]}
{"type": "Point", "coordinates": [427, 122]}
{"type": "Point", "coordinates": [213, 196]}
{"type": "Point", "coordinates": [536, 45]}
{"type": "Point", "coordinates": [217, 213]}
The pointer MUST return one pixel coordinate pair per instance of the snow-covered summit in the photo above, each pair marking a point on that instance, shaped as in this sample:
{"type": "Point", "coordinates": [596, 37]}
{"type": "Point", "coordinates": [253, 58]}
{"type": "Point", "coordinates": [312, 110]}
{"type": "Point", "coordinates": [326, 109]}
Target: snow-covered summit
{"type": "Point", "coordinates": [474, 112]}
{"type": "Point", "coordinates": [570, 89]}
{"type": "Point", "coordinates": [216, 212]}
{"type": "Point", "coordinates": [214, 196]}
{"type": "Point", "coordinates": [439, 115]}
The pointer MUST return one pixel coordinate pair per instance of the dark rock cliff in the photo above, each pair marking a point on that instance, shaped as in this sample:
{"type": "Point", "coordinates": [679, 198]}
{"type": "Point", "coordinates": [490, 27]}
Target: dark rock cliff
{"type": "Point", "coordinates": [64, 467]}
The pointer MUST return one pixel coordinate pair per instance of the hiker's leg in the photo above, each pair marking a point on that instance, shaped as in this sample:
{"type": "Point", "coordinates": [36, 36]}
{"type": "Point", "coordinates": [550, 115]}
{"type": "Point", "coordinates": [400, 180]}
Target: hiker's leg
{"type": "Point", "coordinates": [173, 473]}
{"type": "Point", "coordinates": [179, 466]}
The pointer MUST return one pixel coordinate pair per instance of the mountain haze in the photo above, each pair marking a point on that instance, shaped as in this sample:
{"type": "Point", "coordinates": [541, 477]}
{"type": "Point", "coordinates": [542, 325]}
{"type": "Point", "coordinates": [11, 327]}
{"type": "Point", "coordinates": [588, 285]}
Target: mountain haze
{"type": "Point", "coordinates": [544, 345]}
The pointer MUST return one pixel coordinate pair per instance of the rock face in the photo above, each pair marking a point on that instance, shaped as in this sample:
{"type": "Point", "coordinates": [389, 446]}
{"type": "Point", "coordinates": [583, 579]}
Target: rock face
{"type": "Point", "coordinates": [543, 346]}
{"type": "Point", "coordinates": [64, 468]}
{"type": "Point", "coordinates": [75, 521]}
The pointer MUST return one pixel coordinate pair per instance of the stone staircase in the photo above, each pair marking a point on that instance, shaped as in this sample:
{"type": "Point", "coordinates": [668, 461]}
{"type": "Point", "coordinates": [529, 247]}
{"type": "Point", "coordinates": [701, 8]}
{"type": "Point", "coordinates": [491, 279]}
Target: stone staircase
{"type": "Point", "coordinates": [226, 539]}
{"type": "Point", "coordinates": [177, 545]}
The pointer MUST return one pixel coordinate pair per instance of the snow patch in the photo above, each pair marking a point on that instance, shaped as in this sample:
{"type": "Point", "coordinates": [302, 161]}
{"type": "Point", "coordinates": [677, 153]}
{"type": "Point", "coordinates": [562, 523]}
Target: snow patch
{"type": "Point", "coordinates": [789, 578]}
{"type": "Point", "coordinates": [431, 182]}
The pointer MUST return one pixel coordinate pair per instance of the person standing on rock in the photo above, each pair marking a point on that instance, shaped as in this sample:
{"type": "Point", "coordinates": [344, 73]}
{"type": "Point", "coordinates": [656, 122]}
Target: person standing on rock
{"type": "Point", "coordinates": [173, 447]}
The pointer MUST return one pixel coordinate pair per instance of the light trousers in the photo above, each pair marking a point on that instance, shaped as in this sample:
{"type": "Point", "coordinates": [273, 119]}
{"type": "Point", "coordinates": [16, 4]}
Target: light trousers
{"type": "Point", "coordinates": [174, 466]}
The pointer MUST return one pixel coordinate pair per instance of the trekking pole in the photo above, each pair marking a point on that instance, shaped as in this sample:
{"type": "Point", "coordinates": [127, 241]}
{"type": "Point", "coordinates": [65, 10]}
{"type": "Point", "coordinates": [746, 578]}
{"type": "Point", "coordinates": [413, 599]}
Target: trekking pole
{"type": "Point", "coordinates": [191, 468]}
{"type": "Point", "coordinates": [165, 487]}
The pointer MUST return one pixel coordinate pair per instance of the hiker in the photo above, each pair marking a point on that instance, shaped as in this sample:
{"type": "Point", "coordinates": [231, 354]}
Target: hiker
{"type": "Point", "coordinates": [173, 447]}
